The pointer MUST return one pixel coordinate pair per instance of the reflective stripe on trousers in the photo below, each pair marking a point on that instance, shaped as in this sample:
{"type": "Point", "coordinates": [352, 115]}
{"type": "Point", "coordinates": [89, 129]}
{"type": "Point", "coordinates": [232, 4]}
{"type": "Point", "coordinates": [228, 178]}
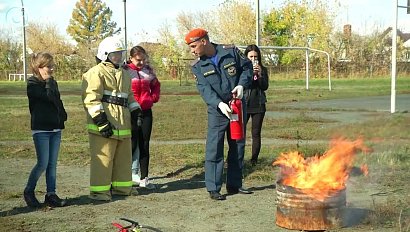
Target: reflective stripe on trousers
{"type": "Point", "coordinates": [110, 165]}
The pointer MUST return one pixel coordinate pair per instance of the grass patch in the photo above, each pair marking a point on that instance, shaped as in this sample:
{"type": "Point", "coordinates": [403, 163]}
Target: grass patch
{"type": "Point", "coordinates": [181, 115]}
{"type": "Point", "coordinates": [180, 121]}
{"type": "Point", "coordinates": [390, 213]}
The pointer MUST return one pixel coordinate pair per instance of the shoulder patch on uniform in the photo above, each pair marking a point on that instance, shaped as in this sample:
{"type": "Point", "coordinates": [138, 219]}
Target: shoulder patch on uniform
{"type": "Point", "coordinates": [194, 62]}
{"type": "Point", "coordinates": [235, 48]}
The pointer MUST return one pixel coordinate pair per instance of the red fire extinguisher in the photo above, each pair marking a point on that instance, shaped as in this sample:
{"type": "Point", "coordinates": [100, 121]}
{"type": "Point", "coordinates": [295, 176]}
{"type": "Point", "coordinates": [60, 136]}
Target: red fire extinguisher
{"type": "Point", "coordinates": [236, 123]}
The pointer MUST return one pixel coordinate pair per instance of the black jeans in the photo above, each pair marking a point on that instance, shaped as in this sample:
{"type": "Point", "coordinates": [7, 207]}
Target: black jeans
{"type": "Point", "coordinates": [142, 136]}
{"type": "Point", "coordinates": [257, 120]}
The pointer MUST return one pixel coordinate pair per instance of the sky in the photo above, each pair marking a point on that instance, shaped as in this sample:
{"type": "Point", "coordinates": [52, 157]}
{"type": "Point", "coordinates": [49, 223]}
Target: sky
{"type": "Point", "coordinates": [145, 17]}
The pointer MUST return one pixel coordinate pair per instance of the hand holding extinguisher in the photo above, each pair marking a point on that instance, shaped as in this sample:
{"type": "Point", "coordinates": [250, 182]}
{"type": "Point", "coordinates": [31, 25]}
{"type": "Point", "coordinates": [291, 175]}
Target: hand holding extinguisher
{"type": "Point", "coordinates": [225, 109]}
{"type": "Point", "coordinates": [237, 92]}
{"type": "Point", "coordinates": [236, 121]}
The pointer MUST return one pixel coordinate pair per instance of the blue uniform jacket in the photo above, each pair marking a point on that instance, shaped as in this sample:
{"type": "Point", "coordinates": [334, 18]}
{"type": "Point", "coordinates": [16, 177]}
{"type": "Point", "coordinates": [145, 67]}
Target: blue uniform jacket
{"type": "Point", "coordinates": [215, 82]}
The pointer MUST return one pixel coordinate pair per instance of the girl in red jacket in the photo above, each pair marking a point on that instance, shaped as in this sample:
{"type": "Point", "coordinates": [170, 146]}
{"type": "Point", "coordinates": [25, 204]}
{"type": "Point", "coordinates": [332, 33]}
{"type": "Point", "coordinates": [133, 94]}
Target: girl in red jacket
{"type": "Point", "coordinates": [146, 88]}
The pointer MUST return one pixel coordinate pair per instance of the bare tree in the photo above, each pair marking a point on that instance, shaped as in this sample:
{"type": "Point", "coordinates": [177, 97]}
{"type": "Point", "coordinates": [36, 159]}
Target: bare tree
{"type": "Point", "coordinates": [45, 37]}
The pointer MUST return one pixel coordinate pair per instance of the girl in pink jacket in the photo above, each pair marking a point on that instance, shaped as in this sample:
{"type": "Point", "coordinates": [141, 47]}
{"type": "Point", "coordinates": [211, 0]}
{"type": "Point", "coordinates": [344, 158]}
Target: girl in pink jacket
{"type": "Point", "coordinates": [146, 89]}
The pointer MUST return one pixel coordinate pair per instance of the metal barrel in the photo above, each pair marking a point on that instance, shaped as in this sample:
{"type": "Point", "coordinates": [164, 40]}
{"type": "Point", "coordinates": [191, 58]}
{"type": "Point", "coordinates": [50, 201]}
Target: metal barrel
{"type": "Point", "coordinates": [299, 211]}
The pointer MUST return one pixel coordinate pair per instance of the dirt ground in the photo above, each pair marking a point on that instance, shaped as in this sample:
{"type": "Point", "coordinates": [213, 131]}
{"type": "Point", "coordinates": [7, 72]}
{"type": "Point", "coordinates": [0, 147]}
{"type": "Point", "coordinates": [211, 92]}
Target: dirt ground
{"type": "Point", "coordinates": [176, 204]}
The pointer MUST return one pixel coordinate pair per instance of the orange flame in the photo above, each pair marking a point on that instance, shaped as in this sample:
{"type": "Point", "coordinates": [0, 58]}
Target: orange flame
{"type": "Point", "coordinates": [365, 169]}
{"type": "Point", "coordinates": [321, 176]}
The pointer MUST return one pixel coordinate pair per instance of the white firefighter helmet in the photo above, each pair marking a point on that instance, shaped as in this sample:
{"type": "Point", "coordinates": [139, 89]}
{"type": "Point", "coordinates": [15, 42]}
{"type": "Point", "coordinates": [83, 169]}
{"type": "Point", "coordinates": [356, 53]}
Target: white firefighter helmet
{"type": "Point", "coordinates": [112, 48]}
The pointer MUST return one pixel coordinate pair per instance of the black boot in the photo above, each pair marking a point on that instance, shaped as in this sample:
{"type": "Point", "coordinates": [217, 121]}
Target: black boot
{"type": "Point", "coordinates": [54, 201]}
{"type": "Point", "coordinates": [30, 199]}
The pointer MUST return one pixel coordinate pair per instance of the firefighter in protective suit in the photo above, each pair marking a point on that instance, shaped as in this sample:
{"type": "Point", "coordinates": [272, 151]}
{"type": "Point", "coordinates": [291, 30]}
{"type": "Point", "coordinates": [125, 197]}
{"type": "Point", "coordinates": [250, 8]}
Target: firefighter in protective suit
{"type": "Point", "coordinates": [111, 111]}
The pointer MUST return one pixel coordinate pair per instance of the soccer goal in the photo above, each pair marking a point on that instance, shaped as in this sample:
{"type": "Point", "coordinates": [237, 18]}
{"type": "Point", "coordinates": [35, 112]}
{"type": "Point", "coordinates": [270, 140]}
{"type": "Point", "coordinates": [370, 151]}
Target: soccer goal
{"type": "Point", "coordinates": [18, 76]}
{"type": "Point", "coordinates": [307, 51]}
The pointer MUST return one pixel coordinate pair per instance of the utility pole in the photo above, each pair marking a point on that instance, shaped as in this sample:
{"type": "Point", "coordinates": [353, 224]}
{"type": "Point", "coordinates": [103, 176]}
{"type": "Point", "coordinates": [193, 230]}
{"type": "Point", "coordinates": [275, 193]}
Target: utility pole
{"type": "Point", "coordinates": [394, 60]}
{"type": "Point", "coordinates": [125, 24]}
{"type": "Point", "coordinates": [257, 24]}
{"type": "Point", "coordinates": [24, 42]}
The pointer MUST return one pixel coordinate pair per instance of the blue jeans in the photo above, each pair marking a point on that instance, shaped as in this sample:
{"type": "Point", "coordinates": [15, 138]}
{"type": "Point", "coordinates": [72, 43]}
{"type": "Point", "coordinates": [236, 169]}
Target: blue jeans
{"type": "Point", "coordinates": [47, 146]}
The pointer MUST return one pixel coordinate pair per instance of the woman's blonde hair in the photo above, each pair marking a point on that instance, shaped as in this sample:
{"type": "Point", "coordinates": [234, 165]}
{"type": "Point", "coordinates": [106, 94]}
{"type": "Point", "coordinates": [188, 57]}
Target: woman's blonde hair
{"type": "Point", "coordinates": [40, 60]}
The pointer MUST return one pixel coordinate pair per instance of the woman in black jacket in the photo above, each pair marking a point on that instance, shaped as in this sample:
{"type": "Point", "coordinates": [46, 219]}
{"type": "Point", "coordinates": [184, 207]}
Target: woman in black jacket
{"type": "Point", "coordinates": [256, 98]}
{"type": "Point", "coordinates": [47, 121]}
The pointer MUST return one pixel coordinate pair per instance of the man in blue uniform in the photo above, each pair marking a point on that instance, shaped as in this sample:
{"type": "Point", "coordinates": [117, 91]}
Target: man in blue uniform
{"type": "Point", "coordinates": [221, 72]}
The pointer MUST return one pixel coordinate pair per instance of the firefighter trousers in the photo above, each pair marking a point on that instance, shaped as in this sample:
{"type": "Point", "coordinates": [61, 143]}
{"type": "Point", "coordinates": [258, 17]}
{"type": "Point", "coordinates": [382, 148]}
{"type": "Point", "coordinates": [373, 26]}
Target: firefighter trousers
{"type": "Point", "coordinates": [110, 171]}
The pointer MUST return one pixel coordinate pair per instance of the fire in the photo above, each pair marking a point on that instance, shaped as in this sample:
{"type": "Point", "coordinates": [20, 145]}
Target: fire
{"type": "Point", "coordinates": [321, 176]}
{"type": "Point", "coordinates": [364, 169]}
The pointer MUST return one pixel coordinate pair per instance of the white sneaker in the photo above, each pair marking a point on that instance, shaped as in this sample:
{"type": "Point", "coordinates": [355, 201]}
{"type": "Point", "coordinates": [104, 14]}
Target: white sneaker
{"type": "Point", "coordinates": [136, 178]}
{"type": "Point", "coordinates": [145, 183]}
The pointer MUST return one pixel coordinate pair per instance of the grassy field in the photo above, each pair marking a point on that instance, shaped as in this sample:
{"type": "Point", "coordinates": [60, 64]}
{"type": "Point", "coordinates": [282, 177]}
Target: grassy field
{"type": "Point", "coordinates": [180, 122]}
{"type": "Point", "coordinates": [181, 115]}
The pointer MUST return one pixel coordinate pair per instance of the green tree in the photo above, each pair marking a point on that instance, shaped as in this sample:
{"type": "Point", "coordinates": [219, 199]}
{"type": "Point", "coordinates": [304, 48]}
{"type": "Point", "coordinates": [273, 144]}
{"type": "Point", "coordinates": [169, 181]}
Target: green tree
{"type": "Point", "coordinates": [90, 22]}
{"type": "Point", "coordinates": [306, 23]}
{"type": "Point", "coordinates": [10, 56]}
{"type": "Point", "coordinates": [169, 57]}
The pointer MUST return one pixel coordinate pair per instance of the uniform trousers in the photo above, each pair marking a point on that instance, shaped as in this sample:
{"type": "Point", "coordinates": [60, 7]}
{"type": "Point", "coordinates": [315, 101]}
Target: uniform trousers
{"type": "Point", "coordinates": [109, 168]}
{"type": "Point", "coordinates": [218, 127]}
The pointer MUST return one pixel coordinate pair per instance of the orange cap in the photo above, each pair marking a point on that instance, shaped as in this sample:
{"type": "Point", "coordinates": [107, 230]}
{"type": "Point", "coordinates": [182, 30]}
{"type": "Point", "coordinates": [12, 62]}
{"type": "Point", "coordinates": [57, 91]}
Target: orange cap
{"type": "Point", "coordinates": [195, 35]}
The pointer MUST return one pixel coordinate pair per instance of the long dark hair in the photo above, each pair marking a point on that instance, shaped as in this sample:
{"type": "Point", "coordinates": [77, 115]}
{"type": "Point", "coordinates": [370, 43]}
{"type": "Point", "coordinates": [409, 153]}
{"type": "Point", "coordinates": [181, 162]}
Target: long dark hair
{"type": "Point", "coordinates": [135, 50]}
{"type": "Point", "coordinates": [254, 48]}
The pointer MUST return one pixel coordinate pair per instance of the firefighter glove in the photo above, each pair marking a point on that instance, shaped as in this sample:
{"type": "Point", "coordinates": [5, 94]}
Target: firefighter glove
{"type": "Point", "coordinates": [107, 132]}
{"type": "Point", "coordinates": [136, 117]}
{"type": "Point", "coordinates": [238, 91]}
{"type": "Point", "coordinates": [225, 109]}
{"type": "Point", "coordinates": [104, 126]}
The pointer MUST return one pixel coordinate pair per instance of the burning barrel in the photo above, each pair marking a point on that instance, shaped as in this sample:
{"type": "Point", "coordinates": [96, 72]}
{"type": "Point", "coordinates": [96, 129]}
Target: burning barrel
{"type": "Point", "coordinates": [311, 192]}
{"type": "Point", "coordinates": [300, 211]}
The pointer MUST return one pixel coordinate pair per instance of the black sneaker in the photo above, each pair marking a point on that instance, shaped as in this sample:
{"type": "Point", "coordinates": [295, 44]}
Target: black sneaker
{"type": "Point", "coordinates": [31, 200]}
{"type": "Point", "coordinates": [54, 201]}
{"type": "Point", "coordinates": [217, 196]}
